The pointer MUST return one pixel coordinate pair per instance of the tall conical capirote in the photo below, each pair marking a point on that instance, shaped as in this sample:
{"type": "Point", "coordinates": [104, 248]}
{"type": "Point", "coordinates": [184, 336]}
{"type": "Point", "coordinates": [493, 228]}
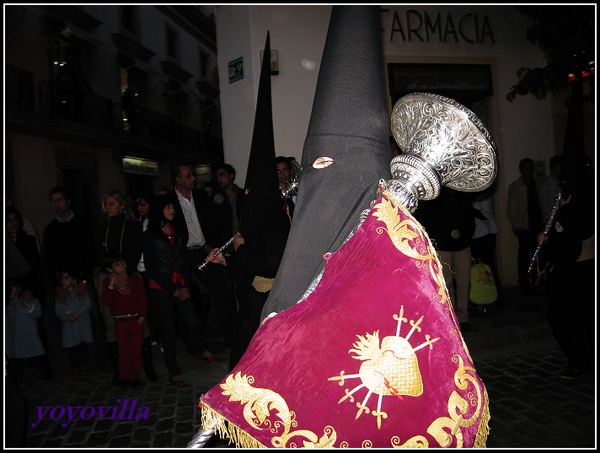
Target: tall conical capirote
{"type": "Point", "coordinates": [349, 125]}
{"type": "Point", "coordinates": [573, 145]}
{"type": "Point", "coordinates": [261, 177]}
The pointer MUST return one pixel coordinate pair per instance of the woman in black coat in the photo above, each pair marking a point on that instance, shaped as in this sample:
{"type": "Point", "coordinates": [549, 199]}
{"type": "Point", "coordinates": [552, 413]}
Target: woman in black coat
{"type": "Point", "coordinates": [170, 279]}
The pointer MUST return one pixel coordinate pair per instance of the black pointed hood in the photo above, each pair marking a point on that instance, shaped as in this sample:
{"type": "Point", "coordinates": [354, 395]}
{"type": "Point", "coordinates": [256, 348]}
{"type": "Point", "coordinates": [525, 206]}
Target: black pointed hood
{"type": "Point", "coordinates": [261, 177]}
{"type": "Point", "coordinates": [349, 125]}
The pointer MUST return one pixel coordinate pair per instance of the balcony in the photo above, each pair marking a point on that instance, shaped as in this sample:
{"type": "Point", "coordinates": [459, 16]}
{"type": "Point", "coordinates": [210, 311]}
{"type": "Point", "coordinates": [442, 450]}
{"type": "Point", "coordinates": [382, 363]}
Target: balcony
{"type": "Point", "coordinates": [63, 101]}
{"type": "Point", "coordinates": [140, 127]}
{"type": "Point", "coordinates": [84, 117]}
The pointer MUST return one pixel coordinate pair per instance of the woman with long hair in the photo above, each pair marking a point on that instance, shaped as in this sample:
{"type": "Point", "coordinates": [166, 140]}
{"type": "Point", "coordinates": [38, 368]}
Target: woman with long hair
{"type": "Point", "coordinates": [170, 273]}
{"type": "Point", "coordinates": [28, 248]}
{"type": "Point", "coordinates": [120, 233]}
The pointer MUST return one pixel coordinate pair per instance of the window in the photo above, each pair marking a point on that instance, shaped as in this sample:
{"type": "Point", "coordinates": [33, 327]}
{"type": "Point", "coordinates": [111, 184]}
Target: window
{"type": "Point", "coordinates": [63, 55]}
{"type": "Point", "coordinates": [131, 85]}
{"type": "Point", "coordinates": [204, 59]}
{"type": "Point", "coordinates": [172, 43]}
{"type": "Point", "coordinates": [130, 19]}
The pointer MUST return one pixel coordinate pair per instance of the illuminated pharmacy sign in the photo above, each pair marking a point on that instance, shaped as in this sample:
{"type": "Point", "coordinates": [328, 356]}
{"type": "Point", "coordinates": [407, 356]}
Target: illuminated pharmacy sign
{"type": "Point", "coordinates": [422, 26]}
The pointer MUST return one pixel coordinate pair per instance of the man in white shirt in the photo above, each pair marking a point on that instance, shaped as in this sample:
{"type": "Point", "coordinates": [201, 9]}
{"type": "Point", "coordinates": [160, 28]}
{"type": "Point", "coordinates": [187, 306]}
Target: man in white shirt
{"type": "Point", "coordinates": [193, 216]}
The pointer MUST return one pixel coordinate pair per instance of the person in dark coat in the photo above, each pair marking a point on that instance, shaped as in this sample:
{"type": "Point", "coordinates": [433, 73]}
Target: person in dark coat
{"type": "Point", "coordinates": [264, 224]}
{"type": "Point", "coordinates": [254, 264]}
{"type": "Point", "coordinates": [450, 223]}
{"type": "Point", "coordinates": [170, 280]}
{"type": "Point", "coordinates": [570, 250]}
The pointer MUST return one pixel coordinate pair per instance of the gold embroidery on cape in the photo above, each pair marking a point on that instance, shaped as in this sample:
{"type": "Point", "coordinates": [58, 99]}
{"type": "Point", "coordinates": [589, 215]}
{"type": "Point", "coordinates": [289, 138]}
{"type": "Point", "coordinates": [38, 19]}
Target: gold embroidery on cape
{"type": "Point", "coordinates": [378, 362]}
{"type": "Point", "coordinates": [259, 404]}
{"type": "Point", "coordinates": [446, 429]}
{"type": "Point", "coordinates": [389, 370]}
{"type": "Point", "coordinates": [411, 240]}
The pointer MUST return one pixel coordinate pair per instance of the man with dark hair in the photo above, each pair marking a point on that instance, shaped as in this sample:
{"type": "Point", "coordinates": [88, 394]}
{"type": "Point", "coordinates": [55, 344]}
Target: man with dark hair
{"type": "Point", "coordinates": [525, 217]}
{"type": "Point", "coordinates": [194, 219]}
{"type": "Point", "coordinates": [68, 240]}
{"type": "Point", "coordinates": [284, 173]}
{"type": "Point", "coordinates": [283, 170]}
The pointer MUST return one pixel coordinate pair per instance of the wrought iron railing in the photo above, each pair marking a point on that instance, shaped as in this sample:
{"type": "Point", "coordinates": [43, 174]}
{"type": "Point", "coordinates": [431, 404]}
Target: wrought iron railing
{"type": "Point", "coordinates": [19, 88]}
{"type": "Point", "coordinates": [60, 100]}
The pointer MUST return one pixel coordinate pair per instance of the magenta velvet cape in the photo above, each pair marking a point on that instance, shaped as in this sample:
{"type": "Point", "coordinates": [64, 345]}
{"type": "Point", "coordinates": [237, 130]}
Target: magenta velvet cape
{"type": "Point", "coordinates": [373, 357]}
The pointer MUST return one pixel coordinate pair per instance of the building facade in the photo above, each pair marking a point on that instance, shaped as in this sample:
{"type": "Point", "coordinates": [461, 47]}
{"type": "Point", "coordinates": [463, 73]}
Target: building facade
{"type": "Point", "coordinates": [102, 97]}
{"type": "Point", "coordinates": [467, 52]}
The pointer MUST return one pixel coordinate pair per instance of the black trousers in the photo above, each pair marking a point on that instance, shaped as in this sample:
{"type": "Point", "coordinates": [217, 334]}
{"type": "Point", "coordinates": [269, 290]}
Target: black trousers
{"type": "Point", "coordinates": [527, 246]}
{"type": "Point", "coordinates": [220, 288]}
{"type": "Point", "coordinates": [246, 324]}
{"type": "Point", "coordinates": [571, 312]}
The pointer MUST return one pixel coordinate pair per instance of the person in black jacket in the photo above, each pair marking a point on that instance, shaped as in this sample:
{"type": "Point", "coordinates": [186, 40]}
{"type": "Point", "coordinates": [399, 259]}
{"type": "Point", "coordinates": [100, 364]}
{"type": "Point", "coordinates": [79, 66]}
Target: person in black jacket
{"type": "Point", "coordinates": [197, 223]}
{"type": "Point", "coordinates": [28, 248]}
{"type": "Point", "coordinates": [170, 280]}
{"type": "Point", "coordinates": [68, 241]}
{"type": "Point", "coordinates": [450, 223]}
{"type": "Point", "coordinates": [571, 279]}
{"type": "Point", "coordinates": [253, 264]}
{"type": "Point", "coordinates": [119, 233]}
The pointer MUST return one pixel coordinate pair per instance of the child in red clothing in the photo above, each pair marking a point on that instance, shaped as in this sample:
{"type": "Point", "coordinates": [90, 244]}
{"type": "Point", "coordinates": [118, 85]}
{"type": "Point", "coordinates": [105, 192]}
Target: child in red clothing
{"type": "Point", "coordinates": [129, 311]}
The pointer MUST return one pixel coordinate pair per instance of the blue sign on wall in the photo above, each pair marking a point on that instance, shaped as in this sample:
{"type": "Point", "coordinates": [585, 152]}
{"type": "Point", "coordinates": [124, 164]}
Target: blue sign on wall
{"type": "Point", "coordinates": [235, 69]}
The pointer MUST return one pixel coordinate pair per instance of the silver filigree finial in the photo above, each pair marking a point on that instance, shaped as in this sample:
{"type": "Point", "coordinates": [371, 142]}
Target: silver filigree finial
{"type": "Point", "coordinates": [443, 143]}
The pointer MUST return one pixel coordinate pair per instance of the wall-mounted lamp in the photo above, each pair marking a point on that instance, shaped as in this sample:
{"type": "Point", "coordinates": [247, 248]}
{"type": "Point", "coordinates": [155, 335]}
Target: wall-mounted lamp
{"type": "Point", "coordinates": [274, 61]}
{"type": "Point", "coordinates": [65, 33]}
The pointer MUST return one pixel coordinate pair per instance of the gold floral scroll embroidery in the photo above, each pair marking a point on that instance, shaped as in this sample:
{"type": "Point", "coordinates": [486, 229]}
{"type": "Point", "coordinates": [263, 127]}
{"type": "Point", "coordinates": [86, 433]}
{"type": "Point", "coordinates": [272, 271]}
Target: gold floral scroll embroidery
{"type": "Point", "coordinates": [411, 239]}
{"type": "Point", "coordinates": [260, 404]}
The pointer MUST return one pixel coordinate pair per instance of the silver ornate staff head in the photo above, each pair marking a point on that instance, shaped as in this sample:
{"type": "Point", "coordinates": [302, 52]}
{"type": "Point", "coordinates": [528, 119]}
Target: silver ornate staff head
{"type": "Point", "coordinates": [443, 143]}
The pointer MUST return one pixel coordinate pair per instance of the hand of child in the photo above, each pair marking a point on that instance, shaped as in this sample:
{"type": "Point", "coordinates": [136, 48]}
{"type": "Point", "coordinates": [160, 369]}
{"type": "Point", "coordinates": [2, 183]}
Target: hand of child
{"type": "Point", "coordinates": [61, 295]}
{"type": "Point", "coordinates": [141, 320]}
{"type": "Point", "coordinates": [112, 278]}
{"type": "Point", "coordinates": [26, 301]}
{"type": "Point", "coordinates": [81, 290]}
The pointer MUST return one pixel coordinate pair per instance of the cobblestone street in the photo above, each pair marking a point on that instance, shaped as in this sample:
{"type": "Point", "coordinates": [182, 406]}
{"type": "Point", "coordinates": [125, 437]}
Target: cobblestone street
{"type": "Point", "coordinates": [514, 353]}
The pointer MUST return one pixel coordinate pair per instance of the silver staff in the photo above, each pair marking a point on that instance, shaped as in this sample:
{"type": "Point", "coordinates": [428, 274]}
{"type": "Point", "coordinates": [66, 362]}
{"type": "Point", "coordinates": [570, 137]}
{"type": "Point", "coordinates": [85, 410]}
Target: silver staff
{"type": "Point", "coordinates": [546, 228]}
{"type": "Point", "coordinates": [221, 250]}
{"type": "Point", "coordinates": [203, 436]}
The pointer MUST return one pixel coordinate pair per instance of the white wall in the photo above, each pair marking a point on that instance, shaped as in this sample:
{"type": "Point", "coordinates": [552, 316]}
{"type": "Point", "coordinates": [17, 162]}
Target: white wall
{"type": "Point", "coordinates": [523, 128]}
{"type": "Point", "coordinates": [298, 34]}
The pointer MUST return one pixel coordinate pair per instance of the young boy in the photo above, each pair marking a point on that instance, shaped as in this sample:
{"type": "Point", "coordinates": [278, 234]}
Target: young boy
{"type": "Point", "coordinates": [77, 324]}
{"type": "Point", "coordinates": [20, 331]}
{"type": "Point", "coordinates": [129, 311]}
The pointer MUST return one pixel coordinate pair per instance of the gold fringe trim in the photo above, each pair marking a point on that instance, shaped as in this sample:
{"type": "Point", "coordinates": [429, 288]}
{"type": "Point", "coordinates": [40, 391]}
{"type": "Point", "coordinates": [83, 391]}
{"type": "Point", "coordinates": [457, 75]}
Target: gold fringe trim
{"type": "Point", "coordinates": [262, 284]}
{"type": "Point", "coordinates": [226, 429]}
{"type": "Point", "coordinates": [484, 426]}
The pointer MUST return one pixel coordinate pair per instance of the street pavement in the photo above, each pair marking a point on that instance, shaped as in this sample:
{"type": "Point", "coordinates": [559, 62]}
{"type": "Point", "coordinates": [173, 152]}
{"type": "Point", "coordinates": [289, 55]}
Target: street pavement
{"type": "Point", "coordinates": [513, 350]}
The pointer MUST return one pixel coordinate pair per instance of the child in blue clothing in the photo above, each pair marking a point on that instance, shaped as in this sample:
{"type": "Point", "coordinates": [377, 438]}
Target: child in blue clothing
{"type": "Point", "coordinates": [20, 331]}
{"type": "Point", "coordinates": [76, 325]}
